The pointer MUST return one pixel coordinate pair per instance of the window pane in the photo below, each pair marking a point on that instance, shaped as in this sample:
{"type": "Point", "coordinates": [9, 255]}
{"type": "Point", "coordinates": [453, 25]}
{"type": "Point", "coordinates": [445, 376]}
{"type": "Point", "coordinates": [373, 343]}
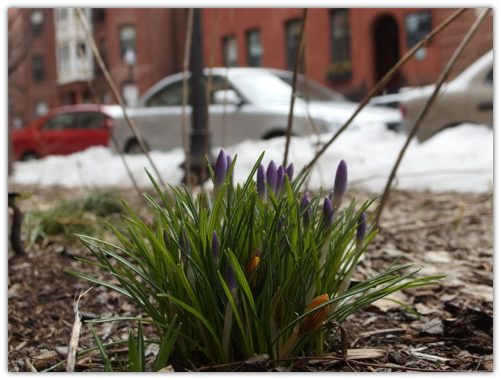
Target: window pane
{"type": "Point", "coordinates": [490, 76]}
{"type": "Point", "coordinates": [64, 58]}
{"type": "Point", "coordinates": [38, 68]}
{"type": "Point", "coordinates": [171, 95]}
{"type": "Point", "coordinates": [127, 38]}
{"type": "Point", "coordinates": [292, 31]}
{"type": "Point", "coordinates": [89, 120]}
{"type": "Point", "coordinates": [254, 48]}
{"type": "Point", "coordinates": [59, 122]}
{"type": "Point", "coordinates": [230, 52]}
{"type": "Point", "coordinates": [340, 25]}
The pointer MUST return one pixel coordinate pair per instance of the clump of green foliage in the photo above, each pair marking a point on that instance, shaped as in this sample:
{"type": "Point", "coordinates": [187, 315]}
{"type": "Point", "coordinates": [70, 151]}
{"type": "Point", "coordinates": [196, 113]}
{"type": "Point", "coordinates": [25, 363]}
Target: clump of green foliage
{"type": "Point", "coordinates": [70, 217]}
{"type": "Point", "coordinates": [252, 268]}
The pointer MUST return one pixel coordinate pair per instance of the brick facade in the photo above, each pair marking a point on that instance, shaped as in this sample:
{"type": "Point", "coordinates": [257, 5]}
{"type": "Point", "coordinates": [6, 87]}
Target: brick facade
{"type": "Point", "coordinates": [374, 35]}
{"type": "Point", "coordinates": [364, 46]}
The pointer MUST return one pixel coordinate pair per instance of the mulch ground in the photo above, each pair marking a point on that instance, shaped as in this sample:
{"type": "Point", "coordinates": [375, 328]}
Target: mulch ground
{"type": "Point", "coordinates": [444, 233]}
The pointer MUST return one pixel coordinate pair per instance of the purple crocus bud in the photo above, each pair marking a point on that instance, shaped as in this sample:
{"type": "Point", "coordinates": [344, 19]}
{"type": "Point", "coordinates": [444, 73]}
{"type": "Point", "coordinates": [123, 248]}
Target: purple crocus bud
{"type": "Point", "coordinates": [231, 281]}
{"type": "Point", "coordinates": [290, 171]}
{"type": "Point", "coordinates": [361, 231]}
{"type": "Point", "coordinates": [271, 175]}
{"type": "Point", "coordinates": [308, 215]}
{"type": "Point", "coordinates": [220, 170]}
{"type": "Point", "coordinates": [340, 184]}
{"type": "Point", "coordinates": [184, 242]}
{"type": "Point", "coordinates": [261, 179]}
{"type": "Point", "coordinates": [280, 179]}
{"type": "Point", "coordinates": [166, 240]}
{"type": "Point", "coordinates": [215, 246]}
{"type": "Point", "coordinates": [328, 213]}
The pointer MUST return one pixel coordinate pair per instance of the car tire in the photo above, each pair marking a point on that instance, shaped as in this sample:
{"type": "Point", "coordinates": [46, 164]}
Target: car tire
{"type": "Point", "coordinates": [30, 156]}
{"type": "Point", "coordinates": [273, 134]}
{"type": "Point", "coordinates": [133, 147]}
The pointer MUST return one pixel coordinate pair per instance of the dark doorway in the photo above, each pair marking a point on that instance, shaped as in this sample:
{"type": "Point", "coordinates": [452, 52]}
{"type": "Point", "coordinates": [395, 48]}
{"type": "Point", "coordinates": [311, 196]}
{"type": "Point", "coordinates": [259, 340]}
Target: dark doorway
{"type": "Point", "coordinates": [386, 50]}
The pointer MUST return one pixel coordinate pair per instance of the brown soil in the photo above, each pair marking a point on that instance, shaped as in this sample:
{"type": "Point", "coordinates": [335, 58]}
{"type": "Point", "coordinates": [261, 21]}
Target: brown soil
{"type": "Point", "coordinates": [445, 233]}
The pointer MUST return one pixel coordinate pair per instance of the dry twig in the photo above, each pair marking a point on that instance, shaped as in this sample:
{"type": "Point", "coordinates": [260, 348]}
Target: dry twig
{"type": "Point", "coordinates": [384, 81]}
{"type": "Point", "coordinates": [186, 63]}
{"type": "Point", "coordinates": [297, 58]}
{"type": "Point", "coordinates": [426, 107]}
{"type": "Point", "coordinates": [116, 94]}
{"type": "Point", "coordinates": [75, 335]}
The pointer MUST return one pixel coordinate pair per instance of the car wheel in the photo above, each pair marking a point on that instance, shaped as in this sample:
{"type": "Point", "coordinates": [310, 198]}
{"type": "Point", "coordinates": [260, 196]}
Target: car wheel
{"type": "Point", "coordinates": [30, 156]}
{"type": "Point", "coordinates": [133, 147]}
{"type": "Point", "coordinates": [273, 134]}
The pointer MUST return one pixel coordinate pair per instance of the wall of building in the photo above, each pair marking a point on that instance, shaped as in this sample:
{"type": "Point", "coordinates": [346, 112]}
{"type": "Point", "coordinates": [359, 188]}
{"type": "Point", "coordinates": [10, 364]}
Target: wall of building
{"type": "Point", "coordinates": [363, 47]}
{"type": "Point", "coordinates": [24, 93]}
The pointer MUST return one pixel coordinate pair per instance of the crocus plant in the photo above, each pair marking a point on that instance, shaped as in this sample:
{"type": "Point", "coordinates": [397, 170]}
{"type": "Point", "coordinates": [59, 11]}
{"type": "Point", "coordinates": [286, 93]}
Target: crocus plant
{"type": "Point", "coordinates": [259, 267]}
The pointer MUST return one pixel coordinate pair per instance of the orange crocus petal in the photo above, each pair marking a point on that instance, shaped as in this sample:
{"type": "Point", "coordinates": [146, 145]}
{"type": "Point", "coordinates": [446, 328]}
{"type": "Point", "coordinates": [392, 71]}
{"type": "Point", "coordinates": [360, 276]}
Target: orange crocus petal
{"type": "Point", "coordinates": [251, 267]}
{"type": "Point", "coordinates": [313, 321]}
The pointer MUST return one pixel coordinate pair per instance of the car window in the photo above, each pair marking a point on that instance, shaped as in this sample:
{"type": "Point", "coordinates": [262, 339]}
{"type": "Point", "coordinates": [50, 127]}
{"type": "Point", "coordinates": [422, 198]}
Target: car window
{"type": "Point", "coordinates": [60, 122]}
{"type": "Point", "coordinates": [490, 77]}
{"type": "Point", "coordinates": [171, 95]}
{"type": "Point", "coordinates": [311, 91]}
{"type": "Point", "coordinates": [262, 88]}
{"type": "Point", "coordinates": [89, 120]}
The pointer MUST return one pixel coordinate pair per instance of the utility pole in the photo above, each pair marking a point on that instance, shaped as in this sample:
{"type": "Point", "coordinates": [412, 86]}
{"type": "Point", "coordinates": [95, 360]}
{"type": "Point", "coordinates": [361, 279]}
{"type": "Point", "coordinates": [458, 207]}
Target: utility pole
{"type": "Point", "coordinates": [198, 132]}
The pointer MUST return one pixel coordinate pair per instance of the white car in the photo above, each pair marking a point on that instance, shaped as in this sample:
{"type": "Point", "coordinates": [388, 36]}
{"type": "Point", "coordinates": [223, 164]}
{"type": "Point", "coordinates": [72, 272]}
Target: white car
{"type": "Point", "coordinates": [466, 99]}
{"type": "Point", "coordinates": [255, 106]}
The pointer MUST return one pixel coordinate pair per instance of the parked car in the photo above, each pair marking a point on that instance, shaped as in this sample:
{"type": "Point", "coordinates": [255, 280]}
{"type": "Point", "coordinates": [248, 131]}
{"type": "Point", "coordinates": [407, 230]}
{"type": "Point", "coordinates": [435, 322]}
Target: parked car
{"type": "Point", "coordinates": [388, 100]}
{"type": "Point", "coordinates": [64, 130]}
{"type": "Point", "coordinates": [256, 106]}
{"type": "Point", "coordinates": [466, 99]}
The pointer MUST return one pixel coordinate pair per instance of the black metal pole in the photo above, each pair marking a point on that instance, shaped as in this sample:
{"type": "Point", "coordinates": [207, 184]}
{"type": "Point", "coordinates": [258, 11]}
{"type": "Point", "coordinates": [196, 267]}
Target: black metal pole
{"type": "Point", "coordinates": [198, 132]}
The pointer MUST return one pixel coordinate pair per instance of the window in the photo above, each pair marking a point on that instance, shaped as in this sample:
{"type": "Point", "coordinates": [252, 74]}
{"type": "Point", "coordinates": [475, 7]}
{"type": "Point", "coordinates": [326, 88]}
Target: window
{"type": "Point", "coordinates": [36, 20]}
{"type": "Point", "coordinates": [89, 120]}
{"type": "Point", "coordinates": [417, 25]}
{"type": "Point", "coordinates": [254, 48]}
{"type": "Point", "coordinates": [38, 68]}
{"type": "Point", "coordinates": [61, 14]}
{"type": "Point", "coordinates": [490, 77]}
{"type": "Point", "coordinates": [63, 58]}
{"type": "Point", "coordinates": [292, 32]}
{"type": "Point", "coordinates": [127, 38]}
{"type": "Point", "coordinates": [170, 95]}
{"type": "Point", "coordinates": [340, 32]}
{"type": "Point", "coordinates": [59, 122]}
{"type": "Point", "coordinates": [230, 52]}
{"type": "Point", "coordinates": [82, 55]}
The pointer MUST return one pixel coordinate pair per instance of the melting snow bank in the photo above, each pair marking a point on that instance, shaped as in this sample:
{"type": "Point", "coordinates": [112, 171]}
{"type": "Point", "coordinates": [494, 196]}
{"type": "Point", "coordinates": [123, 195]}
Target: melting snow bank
{"type": "Point", "coordinates": [458, 159]}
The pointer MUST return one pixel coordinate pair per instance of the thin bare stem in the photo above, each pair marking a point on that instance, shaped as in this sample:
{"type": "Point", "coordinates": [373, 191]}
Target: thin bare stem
{"type": "Point", "coordinates": [110, 132]}
{"type": "Point", "coordinates": [422, 113]}
{"type": "Point", "coordinates": [208, 88]}
{"type": "Point", "coordinates": [184, 118]}
{"type": "Point", "coordinates": [384, 81]}
{"type": "Point", "coordinates": [297, 59]}
{"type": "Point", "coordinates": [116, 93]}
{"type": "Point", "coordinates": [226, 83]}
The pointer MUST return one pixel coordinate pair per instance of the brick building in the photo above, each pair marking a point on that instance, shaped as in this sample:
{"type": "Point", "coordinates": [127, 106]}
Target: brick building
{"type": "Point", "coordinates": [59, 59]}
{"type": "Point", "coordinates": [348, 50]}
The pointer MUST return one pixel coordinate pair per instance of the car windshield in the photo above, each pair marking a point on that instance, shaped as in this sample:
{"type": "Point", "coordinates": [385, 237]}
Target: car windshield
{"type": "Point", "coordinates": [262, 88]}
{"type": "Point", "coordinates": [312, 91]}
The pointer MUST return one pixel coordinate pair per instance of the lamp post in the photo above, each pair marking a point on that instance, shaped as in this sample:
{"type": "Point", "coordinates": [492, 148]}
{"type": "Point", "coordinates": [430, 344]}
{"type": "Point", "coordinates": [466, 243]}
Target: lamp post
{"type": "Point", "coordinates": [198, 133]}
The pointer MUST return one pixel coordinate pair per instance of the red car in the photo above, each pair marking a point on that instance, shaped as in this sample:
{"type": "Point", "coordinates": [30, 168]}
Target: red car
{"type": "Point", "coordinates": [64, 130]}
